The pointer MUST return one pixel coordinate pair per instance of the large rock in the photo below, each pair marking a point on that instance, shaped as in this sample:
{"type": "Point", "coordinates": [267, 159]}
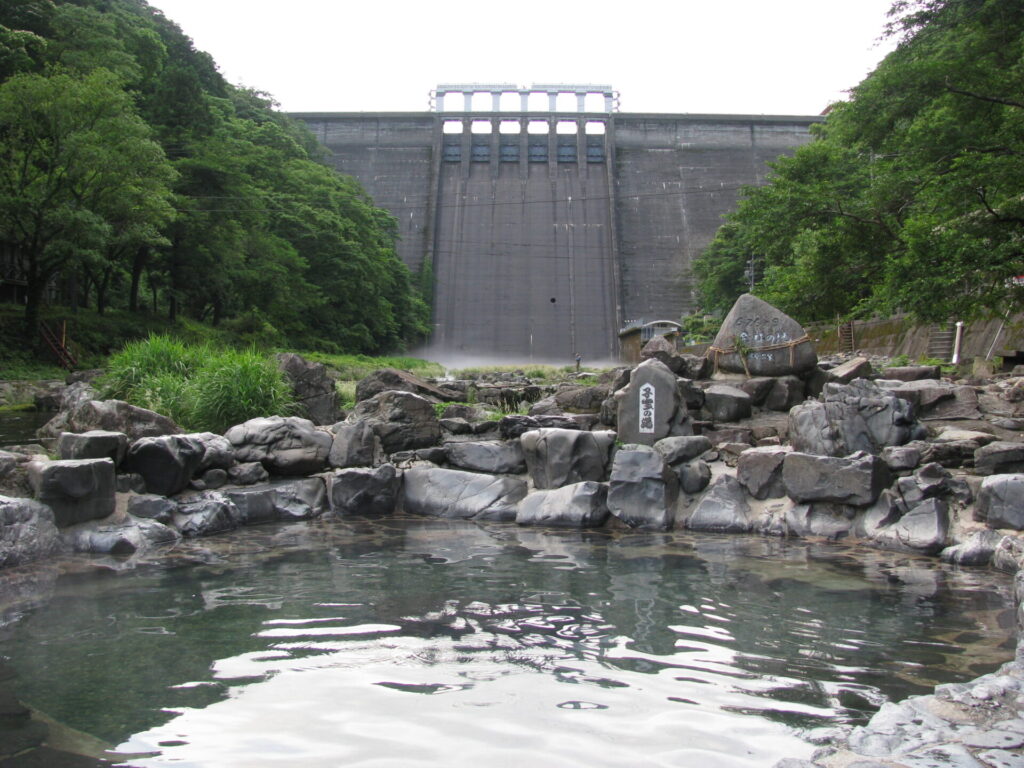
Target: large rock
{"type": "Point", "coordinates": [1001, 501]}
{"type": "Point", "coordinates": [643, 489]}
{"type": "Point", "coordinates": [786, 392]}
{"type": "Point", "coordinates": [824, 519]}
{"type": "Point", "coordinates": [681, 449]}
{"type": "Point", "coordinates": [393, 380]}
{"type": "Point", "coordinates": [152, 506]}
{"type": "Point", "coordinates": [218, 453]}
{"type": "Point", "coordinates": [452, 493]}
{"type": "Point", "coordinates": [27, 531]}
{"type": "Point", "coordinates": [126, 538]}
{"type": "Point", "coordinates": [95, 444]}
{"type": "Point", "coordinates": [924, 529]}
{"type": "Point", "coordinates": [725, 403]}
{"type": "Point", "coordinates": [999, 458]}
{"type": "Point", "coordinates": [312, 386]}
{"type": "Point", "coordinates": [854, 368]}
{"type": "Point", "coordinates": [516, 424]}
{"type": "Point", "coordinates": [912, 372]}
{"type": "Point", "coordinates": [118, 416]}
{"type": "Point", "coordinates": [354, 445]}
{"type": "Point", "coordinates": [166, 463]}
{"type": "Point", "coordinates": [856, 480]}
{"type": "Point", "coordinates": [283, 445]}
{"type": "Point", "coordinates": [496, 457]}
{"type": "Point", "coordinates": [759, 470]}
{"type": "Point", "coordinates": [364, 491]}
{"type": "Point", "coordinates": [580, 505]}
{"type": "Point", "coordinates": [557, 457]}
{"type": "Point", "coordinates": [206, 514]}
{"type": "Point", "coordinates": [650, 407]}
{"type": "Point", "coordinates": [299, 499]}
{"type": "Point", "coordinates": [76, 490]}
{"type": "Point", "coordinates": [581, 399]}
{"type": "Point", "coordinates": [769, 342]}
{"type": "Point", "coordinates": [855, 417]}
{"type": "Point", "coordinates": [401, 420]}
{"type": "Point", "coordinates": [723, 509]}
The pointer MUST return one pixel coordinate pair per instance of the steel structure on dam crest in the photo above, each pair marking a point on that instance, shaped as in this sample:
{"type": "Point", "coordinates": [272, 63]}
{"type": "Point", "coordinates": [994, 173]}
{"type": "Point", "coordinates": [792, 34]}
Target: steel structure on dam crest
{"type": "Point", "coordinates": [547, 215]}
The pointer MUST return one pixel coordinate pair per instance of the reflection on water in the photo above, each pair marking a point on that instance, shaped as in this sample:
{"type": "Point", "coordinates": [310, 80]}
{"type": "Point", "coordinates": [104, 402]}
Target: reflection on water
{"type": "Point", "coordinates": [18, 427]}
{"type": "Point", "coordinates": [423, 642]}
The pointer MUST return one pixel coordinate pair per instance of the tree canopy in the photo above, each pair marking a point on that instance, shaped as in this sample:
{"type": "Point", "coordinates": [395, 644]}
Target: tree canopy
{"type": "Point", "coordinates": [133, 175]}
{"type": "Point", "coordinates": [911, 195]}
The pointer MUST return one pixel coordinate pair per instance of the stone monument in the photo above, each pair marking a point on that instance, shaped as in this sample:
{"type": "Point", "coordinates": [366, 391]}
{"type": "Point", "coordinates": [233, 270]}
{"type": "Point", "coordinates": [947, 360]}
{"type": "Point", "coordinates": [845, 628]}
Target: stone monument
{"type": "Point", "coordinates": [759, 340]}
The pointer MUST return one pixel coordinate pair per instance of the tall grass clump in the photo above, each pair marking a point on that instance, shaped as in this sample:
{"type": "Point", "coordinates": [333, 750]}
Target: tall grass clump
{"type": "Point", "coordinates": [234, 386]}
{"type": "Point", "coordinates": [200, 388]}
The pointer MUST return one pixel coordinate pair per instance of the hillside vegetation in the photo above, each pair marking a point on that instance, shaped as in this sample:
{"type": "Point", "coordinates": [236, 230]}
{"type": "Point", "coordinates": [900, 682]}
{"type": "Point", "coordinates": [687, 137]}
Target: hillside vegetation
{"type": "Point", "coordinates": [134, 177]}
{"type": "Point", "coordinates": [911, 197]}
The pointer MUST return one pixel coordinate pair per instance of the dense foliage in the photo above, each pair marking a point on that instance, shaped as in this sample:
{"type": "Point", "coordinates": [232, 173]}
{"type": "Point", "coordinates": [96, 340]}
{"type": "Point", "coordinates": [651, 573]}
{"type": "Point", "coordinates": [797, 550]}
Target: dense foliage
{"type": "Point", "coordinates": [133, 176]}
{"type": "Point", "coordinates": [911, 196]}
{"type": "Point", "coordinates": [201, 388]}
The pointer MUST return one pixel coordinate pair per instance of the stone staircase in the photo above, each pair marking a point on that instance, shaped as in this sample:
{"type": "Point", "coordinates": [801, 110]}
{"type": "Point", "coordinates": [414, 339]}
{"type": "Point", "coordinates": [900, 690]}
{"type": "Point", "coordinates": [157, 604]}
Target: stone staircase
{"type": "Point", "coordinates": [847, 341]}
{"type": "Point", "coordinates": [940, 343]}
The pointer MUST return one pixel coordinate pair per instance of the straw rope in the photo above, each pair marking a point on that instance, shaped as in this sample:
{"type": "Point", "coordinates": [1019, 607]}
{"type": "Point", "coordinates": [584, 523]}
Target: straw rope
{"type": "Point", "coordinates": [792, 345]}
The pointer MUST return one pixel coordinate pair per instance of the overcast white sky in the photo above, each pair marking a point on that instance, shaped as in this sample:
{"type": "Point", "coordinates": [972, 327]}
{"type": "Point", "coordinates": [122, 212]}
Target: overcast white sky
{"type": "Point", "coordinates": [715, 56]}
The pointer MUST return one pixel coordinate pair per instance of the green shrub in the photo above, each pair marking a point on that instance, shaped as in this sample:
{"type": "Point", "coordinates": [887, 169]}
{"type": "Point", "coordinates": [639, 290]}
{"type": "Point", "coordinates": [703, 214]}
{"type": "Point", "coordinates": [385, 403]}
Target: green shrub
{"type": "Point", "coordinates": [130, 369]}
{"type": "Point", "coordinates": [235, 386]}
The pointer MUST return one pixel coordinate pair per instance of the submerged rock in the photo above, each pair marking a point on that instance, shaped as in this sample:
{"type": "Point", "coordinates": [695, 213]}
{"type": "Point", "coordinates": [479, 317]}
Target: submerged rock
{"type": "Point", "coordinates": [580, 505]}
{"type": "Point", "coordinates": [364, 491]}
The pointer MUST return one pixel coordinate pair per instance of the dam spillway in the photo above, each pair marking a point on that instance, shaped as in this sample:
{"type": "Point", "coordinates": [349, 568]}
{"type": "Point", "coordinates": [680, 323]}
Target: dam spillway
{"type": "Point", "coordinates": [548, 230]}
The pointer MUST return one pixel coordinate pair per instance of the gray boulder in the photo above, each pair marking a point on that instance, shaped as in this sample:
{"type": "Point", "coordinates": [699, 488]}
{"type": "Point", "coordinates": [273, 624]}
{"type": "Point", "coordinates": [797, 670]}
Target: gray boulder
{"type": "Point", "coordinates": [452, 493]}
{"type": "Point", "coordinates": [912, 372]}
{"type": "Point", "coordinates": [854, 368]}
{"type": "Point", "coordinates": [902, 458]}
{"type": "Point", "coordinates": [27, 531]}
{"type": "Point", "coordinates": [218, 453]}
{"type": "Point", "coordinates": [758, 387]}
{"type": "Point", "coordinates": [151, 506]}
{"type": "Point", "coordinates": [283, 445]}
{"type": "Point", "coordinates": [394, 380]}
{"type": "Point", "coordinates": [516, 425]}
{"type": "Point", "coordinates": [365, 491]}
{"type": "Point", "coordinates": [759, 470]}
{"type": "Point", "coordinates": [725, 403]}
{"type": "Point", "coordinates": [999, 458]}
{"type": "Point", "coordinates": [855, 417]}
{"type": "Point", "coordinates": [694, 476]}
{"type": "Point", "coordinates": [786, 392]}
{"type": "Point", "coordinates": [681, 449]}
{"type": "Point", "coordinates": [312, 386]}
{"type": "Point", "coordinates": [401, 420]}
{"type": "Point", "coordinates": [978, 549]}
{"type": "Point", "coordinates": [76, 490]}
{"type": "Point", "coordinates": [118, 416]}
{"type": "Point", "coordinates": [759, 340]}
{"type": "Point", "coordinates": [95, 444]}
{"type": "Point", "coordinates": [248, 473]}
{"type": "Point", "coordinates": [580, 505]}
{"type": "Point", "coordinates": [642, 489]}
{"type": "Point", "coordinates": [496, 457]}
{"type": "Point", "coordinates": [856, 480]}
{"type": "Point", "coordinates": [650, 407]}
{"type": "Point", "coordinates": [206, 514]}
{"type": "Point", "coordinates": [285, 500]}
{"type": "Point", "coordinates": [127, 538]}
{"type": "Point", "coordinates": [354, 445]}
{"type": "Point", "coordinates": [167, 463]}
{"type": "Point", "coordinates": [1001, 501]}
{"type": "Point", "coordinates": [557, 457]}
{"type": "Point", "coordinates": [924, 529]}
{"type": "Point", "coordinates": [821, 519]}
{"type": "Point", "coordinates": [723, 509]}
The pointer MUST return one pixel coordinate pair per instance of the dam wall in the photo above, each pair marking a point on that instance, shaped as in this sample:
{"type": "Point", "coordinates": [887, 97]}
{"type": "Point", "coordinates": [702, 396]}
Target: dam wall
{"type": "Point", "coordinates": [548, 231]}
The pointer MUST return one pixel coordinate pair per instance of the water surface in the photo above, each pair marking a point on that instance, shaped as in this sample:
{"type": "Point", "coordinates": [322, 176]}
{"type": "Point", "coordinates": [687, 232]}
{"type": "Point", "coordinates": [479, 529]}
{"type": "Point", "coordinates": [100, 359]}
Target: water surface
{"type": "Point", "coordinates": [408, 642]}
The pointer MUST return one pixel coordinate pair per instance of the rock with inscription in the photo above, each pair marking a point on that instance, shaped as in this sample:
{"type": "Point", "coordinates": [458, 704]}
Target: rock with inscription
{"type": "Point", "coordinates": [650, 407]}
{"type": "Point", "coordinates": [643, 489]}
{"type": "Point", "coordinates": [365, 491]}
{"type": "Point", "coordinates": [456, 494]}
{"type": "Point", "coordinates": [557, 457]}
{"type": "Point", "coordinates": [759, 340]}
{"type": "Point", "coordinates": [580, 505]}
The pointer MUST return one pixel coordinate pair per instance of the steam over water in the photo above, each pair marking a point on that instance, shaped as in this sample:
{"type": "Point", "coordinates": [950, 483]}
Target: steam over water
{"type": "Point", "coordinates": [411, 642]}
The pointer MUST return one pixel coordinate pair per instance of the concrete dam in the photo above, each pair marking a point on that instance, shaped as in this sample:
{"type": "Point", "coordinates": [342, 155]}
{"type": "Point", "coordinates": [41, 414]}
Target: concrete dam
{"type": "Point", "coordinates": [551, 220]}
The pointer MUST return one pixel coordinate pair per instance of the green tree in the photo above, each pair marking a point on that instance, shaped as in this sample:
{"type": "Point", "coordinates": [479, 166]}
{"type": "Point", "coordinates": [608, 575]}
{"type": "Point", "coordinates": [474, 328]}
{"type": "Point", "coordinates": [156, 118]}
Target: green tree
{"type": "Point", "coordinates": [76, 164]}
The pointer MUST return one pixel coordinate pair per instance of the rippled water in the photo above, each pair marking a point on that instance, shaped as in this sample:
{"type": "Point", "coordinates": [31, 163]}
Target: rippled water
{"type": "Point", "coordinates": [20, 426]}
{"type": "Point", "coordinates": [412, 642]}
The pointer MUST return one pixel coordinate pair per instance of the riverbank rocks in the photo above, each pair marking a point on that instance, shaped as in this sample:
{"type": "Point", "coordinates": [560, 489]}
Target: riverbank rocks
{"type": "Point", "coordinates": [650, 407]}
{"type": "Point", "coordinates": [401, 420]}
{"type": "Point", "coordinates": [166, 463]}
{"type": "Point", "coordinates": [923, 529]}
{"type": "Point", "coordinates": [283, 500]}
{"type": "Point", "coordinates": [27, 531]}
{"type": "Point", "coordinates": [119, 416]}
{"type": "Point", "coordinates": [723, 509]}
{"type": "Point", "coordinates": [124, 538]}
{"type": "Point", "coordinates": [95, 444]}
{"type": "Point", "coordinates": [495, 457]}
{"type": "Point", "coordinates": [1000, 501]}
{"type": "Point", "coordinates": [759, 470]}
{"type": "Point", "coordinates": [456, 494]}
{"type": "Point", "coordinates": [76, 490]}
{"type": "Point", "coordinates": [283, 445]}
{"type": "Point", "coordinates": [759, 340]}
{"type": "Point", "coordinates": [312, 386]}
{"type": "Point", "coordinates": [152, 506]}
{"type": "Point", "coordinates": [724, 403]}
{"type": "Point", "coordinates": [557, 457]}
{"type": "Point", "coordinates": [580, 505]}
{"type": "Point", "coordinates": [206, 514]}
{"type": "Point", "coordinates": [392, 379]}
{"type": "Point", "coordinates": [998, 458]}
{"type": "Point", "coordinates": [354, 445]}
{"type": "Point", "coordinates": [364, 491]}
{"type": "Point", "coordinates": [642, 489]}
{"type": "Point", "coordinates": [855, 417]}
{"type": "Point", "coordinates": [857, 479]}
{"type": "Point", "coordinates": [821, 519]}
